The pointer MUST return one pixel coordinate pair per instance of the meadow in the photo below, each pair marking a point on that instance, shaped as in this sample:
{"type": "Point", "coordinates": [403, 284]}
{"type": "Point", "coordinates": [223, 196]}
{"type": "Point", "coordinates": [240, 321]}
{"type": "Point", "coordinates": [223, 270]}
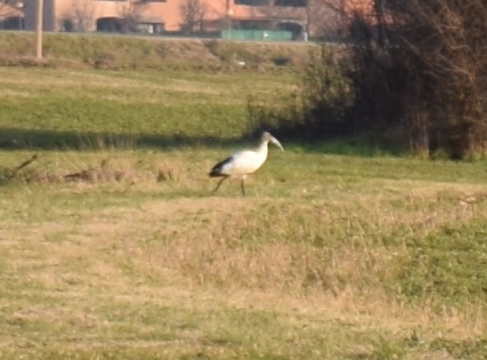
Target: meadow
{"type": "Point", "coordinates": [113, 246]}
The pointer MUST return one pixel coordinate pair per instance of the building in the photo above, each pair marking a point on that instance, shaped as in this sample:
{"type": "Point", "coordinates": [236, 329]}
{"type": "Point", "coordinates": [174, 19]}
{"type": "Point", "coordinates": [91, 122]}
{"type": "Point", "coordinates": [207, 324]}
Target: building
{"type": "Point", "coordinates": [312, 17]}
{"type": "Point", "coordinates": [11, 15]}
{"type": "Point", "coordinates": [99, 15]}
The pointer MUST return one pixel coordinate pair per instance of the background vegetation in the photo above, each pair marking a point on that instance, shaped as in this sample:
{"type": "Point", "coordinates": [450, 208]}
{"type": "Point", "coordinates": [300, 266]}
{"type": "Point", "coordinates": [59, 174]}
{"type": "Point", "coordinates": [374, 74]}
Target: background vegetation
{"type": "Point", "coordinates": [139, 53]}
{"type": "Point", "coordinates": [113, 246]}
{"type": "Point", "coordinates": [415, 75]}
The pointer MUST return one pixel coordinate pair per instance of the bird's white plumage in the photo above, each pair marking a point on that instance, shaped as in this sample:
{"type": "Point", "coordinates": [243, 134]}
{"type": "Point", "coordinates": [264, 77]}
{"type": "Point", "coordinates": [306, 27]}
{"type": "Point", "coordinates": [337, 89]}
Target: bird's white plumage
{"type": "Point", "coordinates": [244, 162]}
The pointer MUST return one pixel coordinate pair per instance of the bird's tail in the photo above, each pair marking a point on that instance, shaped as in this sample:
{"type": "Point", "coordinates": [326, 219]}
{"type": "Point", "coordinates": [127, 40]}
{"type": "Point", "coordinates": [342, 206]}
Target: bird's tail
{"type": "Point", "coordinates": [215, 173]}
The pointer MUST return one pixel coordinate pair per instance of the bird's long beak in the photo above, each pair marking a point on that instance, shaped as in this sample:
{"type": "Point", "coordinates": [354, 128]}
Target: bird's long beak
{"type": "Point", "coordinates": [277, 143]}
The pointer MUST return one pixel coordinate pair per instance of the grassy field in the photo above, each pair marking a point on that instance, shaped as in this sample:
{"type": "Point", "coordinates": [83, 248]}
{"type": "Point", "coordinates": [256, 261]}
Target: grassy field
{"type": "Point", "coordinates": [112, 245]}
{"type": "Point", "coordinates": [142, 53]}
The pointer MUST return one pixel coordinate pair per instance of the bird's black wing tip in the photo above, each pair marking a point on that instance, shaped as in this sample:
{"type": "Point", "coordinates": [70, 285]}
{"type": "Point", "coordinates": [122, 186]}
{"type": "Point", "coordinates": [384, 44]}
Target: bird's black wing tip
{"type": "Point", "coordinates": [214, 173]}
{"type": "Point", "coordinates": [216, 170]}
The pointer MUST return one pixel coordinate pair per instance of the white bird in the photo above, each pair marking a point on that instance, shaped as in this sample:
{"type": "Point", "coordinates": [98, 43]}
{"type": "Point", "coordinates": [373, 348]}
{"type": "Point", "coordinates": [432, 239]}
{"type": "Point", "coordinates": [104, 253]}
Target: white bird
{"type": "Point", "coordinates": [244, 162]}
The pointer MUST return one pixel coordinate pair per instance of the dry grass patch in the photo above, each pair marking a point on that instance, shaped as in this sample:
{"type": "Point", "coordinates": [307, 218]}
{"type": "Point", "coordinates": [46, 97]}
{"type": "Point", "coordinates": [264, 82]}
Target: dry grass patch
{"type": "Point", "coordinates": [104, 166]}
{"type": "Point", "coordinates": [141, 268]}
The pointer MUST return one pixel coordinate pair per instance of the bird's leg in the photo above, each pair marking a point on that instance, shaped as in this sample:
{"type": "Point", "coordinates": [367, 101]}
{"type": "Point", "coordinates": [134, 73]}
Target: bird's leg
{"type": "Point", "coordinates": [242, 185]}
{"type": "Point", "coordinates": [219, 183]}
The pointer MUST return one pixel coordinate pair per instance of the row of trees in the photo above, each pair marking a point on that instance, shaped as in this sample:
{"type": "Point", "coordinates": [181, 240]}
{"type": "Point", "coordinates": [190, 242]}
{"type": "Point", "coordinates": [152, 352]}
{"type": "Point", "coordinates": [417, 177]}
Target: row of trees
{"type": "Point", "coordinates": [416, 70]}
{"type": "Point", "coordinates": [192, 16]}
{"type": "Point", "coordinates": [317, 16]}
{"type": "Point", "coordinates": [422, 66]}
{"type": "Point", "coordinates": [82, 14]}
{"type": "Point", "coordinates": [10, 8]}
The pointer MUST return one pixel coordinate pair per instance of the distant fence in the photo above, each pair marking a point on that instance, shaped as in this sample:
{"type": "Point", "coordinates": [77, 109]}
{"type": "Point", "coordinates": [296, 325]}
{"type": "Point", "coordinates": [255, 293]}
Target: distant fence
{"type": "Point", "coordinates": [260, 35]}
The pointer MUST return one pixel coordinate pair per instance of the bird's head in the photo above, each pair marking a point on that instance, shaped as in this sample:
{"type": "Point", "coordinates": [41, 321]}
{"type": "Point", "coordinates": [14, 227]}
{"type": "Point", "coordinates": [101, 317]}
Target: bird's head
{"type": "Point", "coordinates": [266, 137]}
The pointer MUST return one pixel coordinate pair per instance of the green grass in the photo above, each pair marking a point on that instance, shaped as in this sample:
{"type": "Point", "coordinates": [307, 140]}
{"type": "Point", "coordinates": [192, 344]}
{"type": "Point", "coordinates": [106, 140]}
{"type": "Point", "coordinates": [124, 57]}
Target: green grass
{"type": "Point", "coordinates": [339, 251]}
{"type": "Point", "coordinates": [46, 108]}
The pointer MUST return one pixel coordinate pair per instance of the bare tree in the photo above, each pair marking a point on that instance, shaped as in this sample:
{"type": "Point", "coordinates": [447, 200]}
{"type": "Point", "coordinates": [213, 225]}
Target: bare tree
{"type": "Point", "coordinates": [443, 46]}
{"type": "Point", "coordinates": [423, 63]}
{"type": "Point", "coordinates": [193, 15]}
{"type": "Point", "coordinates": [132, 14]}
{"type": "Point", "coordinates": [11, 8]}
{"type": "Point", "coordinates": [8, 7]}
{"type": "Point", "coordinates": [326, 18]}
{"type": "Point", "coordinates": [451, 42]}
{"type": "Point", "coordinates": [417, 70]}
{"type": "Point", "coordinates": [81, 18]}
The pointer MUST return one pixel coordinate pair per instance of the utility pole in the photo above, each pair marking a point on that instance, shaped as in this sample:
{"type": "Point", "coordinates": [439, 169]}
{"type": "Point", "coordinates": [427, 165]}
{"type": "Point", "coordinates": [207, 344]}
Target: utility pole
{"type": "Point", "coordinates": [20, 6]}
{"type": "Point", "coordinates": [308, 16]}
{"type": "Point", "coordinates": [39, 16]}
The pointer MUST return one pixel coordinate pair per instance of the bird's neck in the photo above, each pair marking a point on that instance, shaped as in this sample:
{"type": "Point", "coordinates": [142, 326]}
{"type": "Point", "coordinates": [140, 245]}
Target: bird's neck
{"type": "Point", "coordinates": [263, 147]}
